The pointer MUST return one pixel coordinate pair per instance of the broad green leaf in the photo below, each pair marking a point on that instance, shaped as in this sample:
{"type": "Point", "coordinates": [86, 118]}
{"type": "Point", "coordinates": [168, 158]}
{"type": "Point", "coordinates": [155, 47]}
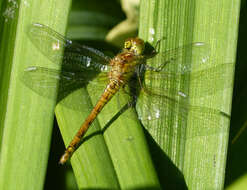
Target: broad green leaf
{"type": "Point", "coordinates": [26, 117]}
{"type": "Point", "coordinates": [190, 151]}
{"type": "Point", "coordinates": [114, 154]}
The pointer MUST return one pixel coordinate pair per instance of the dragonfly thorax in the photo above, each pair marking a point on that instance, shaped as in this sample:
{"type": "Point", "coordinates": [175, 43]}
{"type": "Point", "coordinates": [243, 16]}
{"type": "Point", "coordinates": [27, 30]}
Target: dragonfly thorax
{"type": "Point", "coordinates": [123, 66]}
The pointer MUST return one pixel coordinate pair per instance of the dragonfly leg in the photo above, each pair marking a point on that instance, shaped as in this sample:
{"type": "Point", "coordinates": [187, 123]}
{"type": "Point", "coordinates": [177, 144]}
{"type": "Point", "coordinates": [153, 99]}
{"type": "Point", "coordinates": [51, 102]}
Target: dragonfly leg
{"type": "Point", "coordinates": [157, 45]}
{"type": "Point", "coordinates": [157, 69]}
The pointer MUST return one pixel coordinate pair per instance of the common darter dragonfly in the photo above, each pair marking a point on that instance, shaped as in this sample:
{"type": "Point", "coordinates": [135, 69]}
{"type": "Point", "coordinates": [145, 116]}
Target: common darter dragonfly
{"type": "Point", "coordinates": [82, 65]}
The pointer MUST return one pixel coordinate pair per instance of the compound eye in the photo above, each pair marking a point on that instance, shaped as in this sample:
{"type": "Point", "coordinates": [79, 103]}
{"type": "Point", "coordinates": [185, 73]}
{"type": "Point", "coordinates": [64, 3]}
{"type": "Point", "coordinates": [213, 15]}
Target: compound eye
{"type": "Point", "coordinates": [127, 44]}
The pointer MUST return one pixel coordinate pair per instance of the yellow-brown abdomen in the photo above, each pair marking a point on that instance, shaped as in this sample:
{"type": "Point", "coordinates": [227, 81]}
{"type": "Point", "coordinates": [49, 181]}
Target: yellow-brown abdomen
{"type": "Point", "coordinates": [109, 91]}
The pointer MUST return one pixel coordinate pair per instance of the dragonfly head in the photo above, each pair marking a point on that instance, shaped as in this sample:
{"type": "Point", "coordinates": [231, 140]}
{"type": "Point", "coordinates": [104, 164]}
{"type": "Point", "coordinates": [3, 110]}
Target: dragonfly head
{"type": "Point", "coordinates": [134, 45]}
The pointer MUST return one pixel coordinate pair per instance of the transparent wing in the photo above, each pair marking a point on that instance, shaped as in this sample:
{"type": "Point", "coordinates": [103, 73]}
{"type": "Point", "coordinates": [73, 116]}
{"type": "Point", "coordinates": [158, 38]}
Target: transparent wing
{"type": "Point", "coordinates": [179, 60]}
{"type": "Point", "coordinates": [205, 82]}
{"type": "Point", "coordinates": [174, 69]}
{"type": "Point", "coordinates": [80, 65]}
{"type": "Point", "coordinates": [61, 50]}
{"type": "Point", "coordinates": [150, 109]}
{"type": "Point", "coordinates": [45, 82]}
{"type": "Point", "coordinates": [166, 88]}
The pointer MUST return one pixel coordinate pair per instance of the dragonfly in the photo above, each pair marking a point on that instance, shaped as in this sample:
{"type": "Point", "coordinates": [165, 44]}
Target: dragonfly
{"type": "Point", "coordinates": [83, 65]}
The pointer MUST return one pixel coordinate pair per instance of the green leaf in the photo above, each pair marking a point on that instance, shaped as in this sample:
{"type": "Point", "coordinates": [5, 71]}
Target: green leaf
{"type": "Point", "coordinates": [183, 160]}
{"type": "Point", "coordinates": [26, 118]}
{"type": "Point", "coordinates": [114, 153]}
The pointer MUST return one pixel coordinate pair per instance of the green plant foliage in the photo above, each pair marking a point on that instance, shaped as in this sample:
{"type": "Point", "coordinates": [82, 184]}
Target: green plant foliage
{"type": "Point", "coordinates": [190, 151]}
{"type": "Point", "coordinates": [114, 153]}
{"type": "Point", "coordinates": [180, 143]}
{"type": "Point", "coordinates": [26, 118]}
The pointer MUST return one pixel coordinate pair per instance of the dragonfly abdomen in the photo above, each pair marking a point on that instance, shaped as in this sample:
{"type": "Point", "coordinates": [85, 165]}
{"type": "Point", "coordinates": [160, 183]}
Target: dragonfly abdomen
{"type": "Point", "coordinates": [108, 93]}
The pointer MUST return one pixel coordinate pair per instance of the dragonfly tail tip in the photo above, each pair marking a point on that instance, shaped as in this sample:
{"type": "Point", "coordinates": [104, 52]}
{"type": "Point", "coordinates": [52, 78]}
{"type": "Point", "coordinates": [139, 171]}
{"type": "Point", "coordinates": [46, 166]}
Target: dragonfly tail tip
{"type": "Point", "coordinates": [63, 159]}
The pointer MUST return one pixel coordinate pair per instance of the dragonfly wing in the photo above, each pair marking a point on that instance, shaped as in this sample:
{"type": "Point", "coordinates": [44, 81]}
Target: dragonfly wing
{"type": "Point", "coordinates": [63, 51]}
{"type": "Point", "coordinates": [204, 82]}
{"type": "Point", "coordinates": [150, 109]}
{"type": "Point", "coordinates": [46, 82]}
{"type": "Point", "coordinates": [171, 98]}
{"type": "Point", "coordinates": [81, 95]}
{"type": "Point", "coordinates": [180, 59]}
